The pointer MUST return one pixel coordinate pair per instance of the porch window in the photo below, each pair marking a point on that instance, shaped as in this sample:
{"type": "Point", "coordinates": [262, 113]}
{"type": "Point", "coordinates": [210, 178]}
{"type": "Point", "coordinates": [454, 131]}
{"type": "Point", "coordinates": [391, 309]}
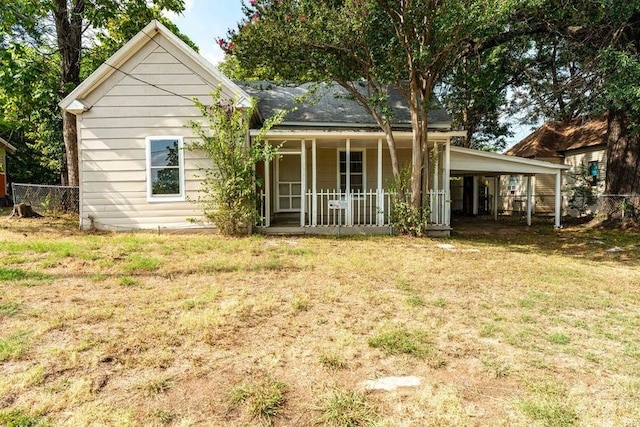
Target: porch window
{"type": "Point", "coordinates": [354, 169]}
{"type": "Point", "coordinates": [165, 169]}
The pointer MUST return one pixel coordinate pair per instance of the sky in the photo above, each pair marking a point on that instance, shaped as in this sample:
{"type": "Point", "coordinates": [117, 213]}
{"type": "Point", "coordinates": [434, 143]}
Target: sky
{"type": "Point", "coordinates": [204, 21]}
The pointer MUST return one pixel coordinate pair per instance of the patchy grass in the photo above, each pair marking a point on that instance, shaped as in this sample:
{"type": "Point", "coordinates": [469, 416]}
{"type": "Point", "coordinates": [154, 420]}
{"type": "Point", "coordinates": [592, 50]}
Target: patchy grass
{"type": "Point", "coordinates": [402, 341]}
{"type": "Point", "coordinates": [535, 327]}
{"type": "Point", "coordinates": [263, 400]}
{"type": "Point", "coordinates": [346, 408]}
{"type": "Point", "coordinates": [13, 346]}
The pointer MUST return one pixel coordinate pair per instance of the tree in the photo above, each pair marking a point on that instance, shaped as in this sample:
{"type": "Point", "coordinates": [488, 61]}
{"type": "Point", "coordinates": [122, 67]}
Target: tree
{"type": "Point", "coordinates": [70, 38]}
{"type": "Point", "coordinates": [368, 46]}
{"type": "Point", "coordinates": [72, 19]}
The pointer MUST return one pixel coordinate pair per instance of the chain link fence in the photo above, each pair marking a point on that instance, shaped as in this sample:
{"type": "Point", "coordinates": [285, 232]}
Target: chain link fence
{"type": "Point", "coordinates": [47, 198]}
{"type": "Point", "coordinates": [624, 206]}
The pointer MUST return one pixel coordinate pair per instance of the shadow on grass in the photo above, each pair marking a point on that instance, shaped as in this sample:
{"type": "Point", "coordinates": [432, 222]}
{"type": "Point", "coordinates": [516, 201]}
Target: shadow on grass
{"type": "Point", "coordinates": [576, 240]}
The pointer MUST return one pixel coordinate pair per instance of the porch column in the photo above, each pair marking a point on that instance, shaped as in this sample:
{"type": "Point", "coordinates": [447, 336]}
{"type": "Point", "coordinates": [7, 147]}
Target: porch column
{"type": "Point", "coordinates": [314, 184]}
{"type": "Point", "coordinates": [303, 181]}
{"type": "Point", "coordinates": [529, 200]}
{"type": "Point", "coordinates": [435, 210]}
{"type": "Point", "coordinates": [475, 195]}
{"type": "Point", "coordinates": [380, 192]}
{"type": "Point", "coordinates": [267, 192]}
{"type": "Point", "coordinates": [447, 182]}
{"type": "Point", "coordinates": [558, 199]}
{"type": "Point", "coordinates": [496, 195]}
{"type": "Point", "coordinates": [347, 214]}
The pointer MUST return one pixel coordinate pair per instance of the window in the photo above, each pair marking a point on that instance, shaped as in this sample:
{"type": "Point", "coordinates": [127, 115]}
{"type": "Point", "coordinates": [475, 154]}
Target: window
{"type": "Point", "coordinates": [513, 184]}
{"type": "Point", "coordinates": [354, 169]}
{"type": "Point", "coordinates": [593, 172]}
{"type": "Point", "coordinates": [165, 169]}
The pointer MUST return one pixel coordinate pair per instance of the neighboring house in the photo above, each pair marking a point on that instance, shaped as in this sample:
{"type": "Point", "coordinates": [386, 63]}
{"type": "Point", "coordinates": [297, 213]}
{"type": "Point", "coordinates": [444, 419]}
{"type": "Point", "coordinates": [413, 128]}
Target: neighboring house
{"type": "Point", "coordinates": [580, 145]}
{"type": "Point", "coordinates": [5, 148]}
{"type": "Point", "coordinates": [331, 173]}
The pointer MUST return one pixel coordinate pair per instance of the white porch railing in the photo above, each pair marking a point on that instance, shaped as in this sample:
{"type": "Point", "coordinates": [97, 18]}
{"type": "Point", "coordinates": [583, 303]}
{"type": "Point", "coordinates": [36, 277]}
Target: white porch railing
{"type": "Point", "coordinates": [358, 208]}
{"type": "Point", "coordinates": [439, 207]}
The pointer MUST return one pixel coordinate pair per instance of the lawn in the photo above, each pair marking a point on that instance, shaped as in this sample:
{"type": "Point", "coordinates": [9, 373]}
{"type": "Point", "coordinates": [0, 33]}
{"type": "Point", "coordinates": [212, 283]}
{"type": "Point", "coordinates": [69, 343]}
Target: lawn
{"type": "Point", "coordinates": [503, 327]}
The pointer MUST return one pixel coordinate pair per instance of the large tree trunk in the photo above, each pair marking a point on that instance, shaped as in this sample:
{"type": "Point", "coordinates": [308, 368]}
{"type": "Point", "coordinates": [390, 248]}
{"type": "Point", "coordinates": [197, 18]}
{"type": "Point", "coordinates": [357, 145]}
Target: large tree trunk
{"type": "Point", "coordinates": [69, 18]}
{"type": "Point", "coordinates": [623, 156]}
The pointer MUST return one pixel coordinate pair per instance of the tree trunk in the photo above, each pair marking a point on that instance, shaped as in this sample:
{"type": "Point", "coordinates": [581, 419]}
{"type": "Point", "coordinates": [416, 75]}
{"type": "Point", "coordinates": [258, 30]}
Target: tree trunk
{"type": "Point", "coordinates": [623, 156]}
{"type": "Point", "coordinates": [69, 19]}
{"type": "Point", "coordinates": [416, 144]}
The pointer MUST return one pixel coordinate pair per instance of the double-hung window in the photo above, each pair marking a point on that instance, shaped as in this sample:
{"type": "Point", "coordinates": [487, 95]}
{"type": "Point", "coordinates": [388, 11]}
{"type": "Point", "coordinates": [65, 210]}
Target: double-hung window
{"type": "Point", "coordinates": [165, 169]}
{"type": "Point", "coordinates": [354, 169]}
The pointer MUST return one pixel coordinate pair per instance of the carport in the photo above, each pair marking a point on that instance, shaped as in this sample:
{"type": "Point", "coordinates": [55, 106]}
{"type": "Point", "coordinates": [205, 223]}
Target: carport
{"type": "Point", "coordinates": [465, 161]}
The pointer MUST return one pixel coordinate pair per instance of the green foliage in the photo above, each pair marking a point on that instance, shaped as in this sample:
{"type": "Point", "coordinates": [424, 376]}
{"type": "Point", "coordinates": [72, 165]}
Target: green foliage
{"type": "Point", "coordinates": [407, 218]}
{"type": "Point", "coordinates": [582, 192]}
{"type": "Point", "coordinates": [229, 189]}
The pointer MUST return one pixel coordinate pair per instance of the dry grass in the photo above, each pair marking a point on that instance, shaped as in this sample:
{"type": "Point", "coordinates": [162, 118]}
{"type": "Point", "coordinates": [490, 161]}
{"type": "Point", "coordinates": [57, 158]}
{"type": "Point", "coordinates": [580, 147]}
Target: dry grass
{"type": "Point", "coordinates": [511, 328]}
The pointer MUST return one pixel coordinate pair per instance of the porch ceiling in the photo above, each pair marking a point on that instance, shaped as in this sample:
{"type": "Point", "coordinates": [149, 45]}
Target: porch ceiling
{"type": "Point", "coordinates": [465, 160]}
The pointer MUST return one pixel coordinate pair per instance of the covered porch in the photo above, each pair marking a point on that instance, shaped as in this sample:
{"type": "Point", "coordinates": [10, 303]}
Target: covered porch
{"type": "Point", "coordinates": [334, 182]}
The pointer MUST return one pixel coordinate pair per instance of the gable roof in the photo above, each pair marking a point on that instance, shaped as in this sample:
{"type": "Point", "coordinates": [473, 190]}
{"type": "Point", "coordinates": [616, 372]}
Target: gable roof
{"type": "Point", "coordinates": [6, 146]}
{"type": "Point", "coordinates": [73, 102]}
{"type": "Point", "coordinates": [330, 105]}
{"type": "Point", "coordinates": [553, 139]}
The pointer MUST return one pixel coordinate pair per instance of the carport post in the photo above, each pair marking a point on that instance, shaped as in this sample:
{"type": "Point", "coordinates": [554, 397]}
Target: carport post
{"type": "Point", "coordinates": [558, 199]}
{"type": "Point", "coordinates": [529, 200]}
{"type": "Point", "coordinates": [496, 194]}
{"type": "Point", "coordinates": [475, 194]}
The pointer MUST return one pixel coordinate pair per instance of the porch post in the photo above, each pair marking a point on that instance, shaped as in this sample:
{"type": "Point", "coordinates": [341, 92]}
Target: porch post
{"type": "Point", "coordinates": [529, 200]}
{"type": "Point", "coordinates": [558, 199]}
{"type": "Point", "coordinates": [475, 195]}
{"type": "Point", "coordinates": [380, 192]}
{"type": "Point", "coordinates": [496, 195]}
{"type": "Point", "coordinates": [447, 182]}
{"type": "Point", "coordinates": [314, 184]}
{"type": "Point", "coordinates": [436, 210]}
{"type": "Point", "coordinates": [303, 181]}
{"type": "Point", "coordinates": [347, 218]}
{"type": "Point", "coordinates": [267, 192]}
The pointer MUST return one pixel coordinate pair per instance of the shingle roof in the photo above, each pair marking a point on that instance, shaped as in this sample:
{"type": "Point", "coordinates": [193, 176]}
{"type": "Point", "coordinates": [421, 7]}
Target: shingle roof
{"type": "Point", "coordinates": [329, 104]}
{"type": "Point", "coordinates": [552, 139]}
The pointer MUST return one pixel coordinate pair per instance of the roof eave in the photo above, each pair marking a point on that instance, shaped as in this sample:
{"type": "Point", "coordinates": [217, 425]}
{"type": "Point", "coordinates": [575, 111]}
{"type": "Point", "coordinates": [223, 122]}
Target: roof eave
{"type": "Point", "coordinates": [7, 147]}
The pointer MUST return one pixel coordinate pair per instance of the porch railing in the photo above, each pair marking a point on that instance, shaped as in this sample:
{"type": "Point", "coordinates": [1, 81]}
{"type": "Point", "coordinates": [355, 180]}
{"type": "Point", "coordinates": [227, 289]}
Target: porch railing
{"type": "Point", "coordinates": [360, 208]}
{"type": "Point", "coordinates": [439, 207]}
{"type": "Point", "coordinates": [357, 208]}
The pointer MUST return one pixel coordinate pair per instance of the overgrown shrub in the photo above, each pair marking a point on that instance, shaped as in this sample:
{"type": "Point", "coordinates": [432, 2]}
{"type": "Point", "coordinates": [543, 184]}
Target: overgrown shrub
{"type": "Point", "coordinates": [405, 217]}
{"type": "Point", "coordinates": [229, 191]}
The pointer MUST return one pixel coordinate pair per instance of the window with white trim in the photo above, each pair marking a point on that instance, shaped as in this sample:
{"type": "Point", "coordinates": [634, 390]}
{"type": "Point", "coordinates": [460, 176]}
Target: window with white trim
{"type": "Point", "coordinates": [165, 169]}
{"type": "Point", "coordinates": [355, 169]}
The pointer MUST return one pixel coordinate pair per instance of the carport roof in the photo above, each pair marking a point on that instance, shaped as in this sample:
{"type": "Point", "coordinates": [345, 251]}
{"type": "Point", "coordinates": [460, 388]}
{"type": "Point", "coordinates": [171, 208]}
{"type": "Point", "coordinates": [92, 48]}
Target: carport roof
{"type": "Point", "coordinates": [468, 161]}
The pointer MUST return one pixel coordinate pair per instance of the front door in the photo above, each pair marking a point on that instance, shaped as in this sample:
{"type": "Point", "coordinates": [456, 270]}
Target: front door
{"type": "Point", "coordinates": [288, 182]}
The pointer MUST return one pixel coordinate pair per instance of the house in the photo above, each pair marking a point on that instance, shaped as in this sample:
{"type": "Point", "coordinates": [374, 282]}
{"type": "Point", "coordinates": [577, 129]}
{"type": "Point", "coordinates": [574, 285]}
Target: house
{"type": "Point", "coordinates": [5, 148]}
{"type": "Point", "coordinates": [331, 172]}
{"type": "Point", "coordinates": [580, 145]}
